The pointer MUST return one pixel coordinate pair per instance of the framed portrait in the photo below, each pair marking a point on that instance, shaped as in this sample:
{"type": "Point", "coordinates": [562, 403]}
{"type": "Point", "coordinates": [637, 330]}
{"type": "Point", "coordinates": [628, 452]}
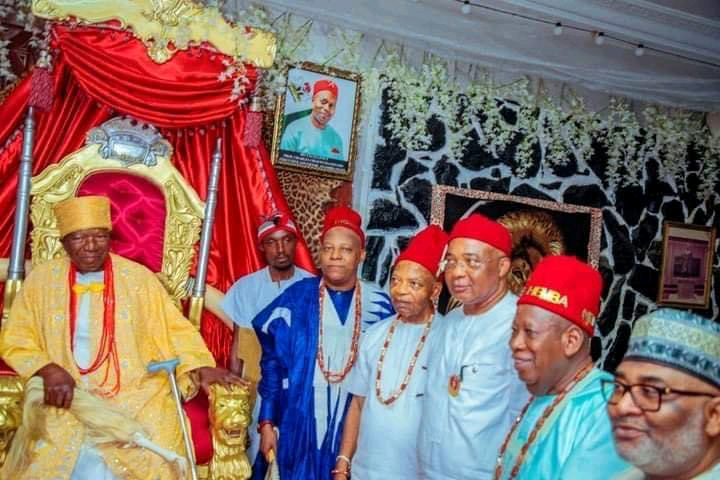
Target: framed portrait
{"type": "Point", "coordinates": [686, 272]}
{"type": "Point", "coordinates": [537, 228]}
{"type": "Point", "coordinates": [315, 127]}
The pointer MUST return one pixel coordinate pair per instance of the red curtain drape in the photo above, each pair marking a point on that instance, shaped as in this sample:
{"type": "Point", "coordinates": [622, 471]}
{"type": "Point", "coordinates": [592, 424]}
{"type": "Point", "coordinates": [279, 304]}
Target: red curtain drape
{"type": "Point", "coordinates": [100, 73]}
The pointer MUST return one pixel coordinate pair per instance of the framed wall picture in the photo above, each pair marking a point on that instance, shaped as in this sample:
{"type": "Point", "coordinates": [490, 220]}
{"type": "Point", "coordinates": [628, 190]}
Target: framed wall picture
{"type": "Point", "coordinates": [315, 127]}
{"type": "Point", "coordinates": [538, 228]}
{"type": "Point", "coordinates": [686, 272]}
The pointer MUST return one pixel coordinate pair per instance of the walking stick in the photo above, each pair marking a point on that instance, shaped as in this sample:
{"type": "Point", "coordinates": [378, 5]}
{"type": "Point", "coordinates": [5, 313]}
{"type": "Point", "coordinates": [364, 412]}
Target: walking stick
{"type": "Point", "coordinates": [273, 472]}
{"type": "Point", "coordinates": [169, 367]}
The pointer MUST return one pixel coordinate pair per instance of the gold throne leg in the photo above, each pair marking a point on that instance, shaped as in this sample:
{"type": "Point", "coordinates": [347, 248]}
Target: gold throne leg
{"type": "Point", "coordinates": [11, 395]}
{"type": "Point", "coordinates": [230, 416]}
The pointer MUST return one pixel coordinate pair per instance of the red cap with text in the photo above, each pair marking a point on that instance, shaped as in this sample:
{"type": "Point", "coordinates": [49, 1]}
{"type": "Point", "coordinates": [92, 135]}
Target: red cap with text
{"type": "Point", "coordinates": [275, 222]}
{"type": "Point", "coordinates": [565, 286]}
{"type": "Point", "coordinates": [427, 249]}
{"type": "Point", "coordinates": [479, 227]}
{"type": "Point", "coordinates": [345, 217]}
{"type": "Point", "coordinates": [328, 85]}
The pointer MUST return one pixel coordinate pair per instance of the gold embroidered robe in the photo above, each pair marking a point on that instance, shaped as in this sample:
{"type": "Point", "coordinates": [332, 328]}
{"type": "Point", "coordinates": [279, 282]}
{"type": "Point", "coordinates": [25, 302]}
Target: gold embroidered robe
{"type": "Point", "coordinates": [148, 327]}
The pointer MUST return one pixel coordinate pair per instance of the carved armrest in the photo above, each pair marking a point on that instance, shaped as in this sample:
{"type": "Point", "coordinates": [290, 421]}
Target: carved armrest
{"type": "Point", "coordinates": [11, 396]}
{"type": "Point", "coordinates": [230, 415]}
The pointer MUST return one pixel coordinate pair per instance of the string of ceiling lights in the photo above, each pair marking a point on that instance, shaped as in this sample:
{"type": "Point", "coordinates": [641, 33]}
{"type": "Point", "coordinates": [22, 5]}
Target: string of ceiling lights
{"type": "Point", "coordinates": [599, 37]}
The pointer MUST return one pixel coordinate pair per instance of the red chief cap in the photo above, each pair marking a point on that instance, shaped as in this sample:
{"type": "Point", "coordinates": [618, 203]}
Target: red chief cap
{"type": "Point", "coordinates": [480, 227]}
{"type": "Point", "coordinates": [275, 222]}
{"type": "Point", "coordinates": [345, 217]}
{"type": "Point", "coordinates": [565, 286]}
{"type": "Point", "coordinates": [426, 248]}
{"type": "Point", "coordinates": [328, 85]}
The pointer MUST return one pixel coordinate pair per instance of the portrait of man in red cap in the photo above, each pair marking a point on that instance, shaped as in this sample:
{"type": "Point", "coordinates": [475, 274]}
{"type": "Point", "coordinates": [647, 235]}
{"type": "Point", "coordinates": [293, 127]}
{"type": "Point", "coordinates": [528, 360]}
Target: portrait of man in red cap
{"type": "Point", "coordinates": [317, 120]}
{"type": "Point", "coordinates": [312, 135]}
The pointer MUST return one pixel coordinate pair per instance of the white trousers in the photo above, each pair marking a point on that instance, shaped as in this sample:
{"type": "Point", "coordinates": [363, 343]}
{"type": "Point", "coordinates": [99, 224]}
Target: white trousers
{"type": "Point", "coordinates": [90, 465]}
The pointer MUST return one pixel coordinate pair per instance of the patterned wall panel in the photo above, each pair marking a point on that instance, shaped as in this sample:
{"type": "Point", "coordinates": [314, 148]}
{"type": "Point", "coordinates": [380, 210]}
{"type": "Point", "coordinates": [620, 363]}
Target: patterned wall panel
{"type": "Point", "coordinates": [308, 197]}
{"type": "Point", "coordinates": [400, 199]}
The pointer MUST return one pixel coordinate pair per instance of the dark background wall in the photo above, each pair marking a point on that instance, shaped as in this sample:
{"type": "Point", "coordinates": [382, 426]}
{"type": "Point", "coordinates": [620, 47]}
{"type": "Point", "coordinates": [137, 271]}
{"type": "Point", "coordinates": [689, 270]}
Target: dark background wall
{"type": "Point", "coordinates": [400, 202]}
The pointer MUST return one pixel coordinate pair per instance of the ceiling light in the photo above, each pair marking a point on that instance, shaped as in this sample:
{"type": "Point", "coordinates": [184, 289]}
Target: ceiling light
{"type": "Point", "coordinates": [558, 29]}
{"type": "Point", "coordinates": [599, 38]}
{"type": "Point", "coordinates": [640, 50]}
{"type": "Point", "coordinates": [466, 7]}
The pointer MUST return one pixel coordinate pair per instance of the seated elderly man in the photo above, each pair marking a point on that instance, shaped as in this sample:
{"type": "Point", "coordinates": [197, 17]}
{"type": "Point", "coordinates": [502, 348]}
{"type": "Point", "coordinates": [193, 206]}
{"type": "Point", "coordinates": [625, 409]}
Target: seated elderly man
{"type": "Point", "coordinates": [664, 403]}
{"type": "Point", "coordinates": [94, 320]}
{"type": "Point", "coordinates": [563, 432]}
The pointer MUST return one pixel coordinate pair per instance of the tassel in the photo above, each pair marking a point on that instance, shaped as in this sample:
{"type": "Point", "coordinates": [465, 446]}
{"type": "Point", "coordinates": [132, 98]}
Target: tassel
{"type": "Point", "coordinates": [102, 422]}
{"type": "Point", "coordinates": [41, 89]}
{"type": "Point", "coordinates": [252, 133]}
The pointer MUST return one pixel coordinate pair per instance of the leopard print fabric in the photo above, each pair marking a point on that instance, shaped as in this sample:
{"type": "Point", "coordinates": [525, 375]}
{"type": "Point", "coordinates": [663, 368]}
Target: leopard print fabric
{"type": "Point", "coordinates": [309, 197]}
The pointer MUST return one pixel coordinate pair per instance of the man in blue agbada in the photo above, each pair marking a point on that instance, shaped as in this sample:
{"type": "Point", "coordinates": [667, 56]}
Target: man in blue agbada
{"type": "Point", "coordinates": [310, 337]}
{"type": "Point", "coordinates": [563, 432]}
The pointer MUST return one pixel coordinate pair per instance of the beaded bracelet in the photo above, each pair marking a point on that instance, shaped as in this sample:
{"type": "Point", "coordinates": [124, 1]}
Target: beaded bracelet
{"type": "Point", "coordinates": [263, 423]}
{"type": "Point", "coordinates": [343, 457]}
{"type": "Point", "coordinates": [344, 473]}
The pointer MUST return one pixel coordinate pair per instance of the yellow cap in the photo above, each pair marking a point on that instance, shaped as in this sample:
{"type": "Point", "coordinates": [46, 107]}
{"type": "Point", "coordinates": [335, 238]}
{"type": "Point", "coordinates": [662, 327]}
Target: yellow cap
{"type": "Point", "coordinates": [80, 213]}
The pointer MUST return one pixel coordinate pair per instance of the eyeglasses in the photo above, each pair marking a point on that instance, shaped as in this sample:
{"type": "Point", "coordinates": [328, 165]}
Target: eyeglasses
{"type": "Point", "coordinates": [470, 263]}
{"type": "Point", "coordinates": [648, 398]}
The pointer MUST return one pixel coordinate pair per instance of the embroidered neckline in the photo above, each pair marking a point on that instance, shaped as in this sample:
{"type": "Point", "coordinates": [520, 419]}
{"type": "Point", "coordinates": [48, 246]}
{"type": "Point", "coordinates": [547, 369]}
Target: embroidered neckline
{"type": "Point", "coordinates": [330, 376]}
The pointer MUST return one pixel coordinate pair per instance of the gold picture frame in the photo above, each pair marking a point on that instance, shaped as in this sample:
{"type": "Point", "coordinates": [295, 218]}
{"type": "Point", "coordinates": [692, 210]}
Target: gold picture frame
{"type": "Point", "coordinates": [449, 204]}
{"type": "Point", "coordinates": [686, 269]}
{"type": "Point", "coordinates": [537, 227]}
{"type": "Point", "coordinates": [309, 136]}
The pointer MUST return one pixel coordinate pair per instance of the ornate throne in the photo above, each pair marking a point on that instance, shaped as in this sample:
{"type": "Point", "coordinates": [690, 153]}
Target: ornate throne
{"type": "Point", "coordinates": [157, 219]}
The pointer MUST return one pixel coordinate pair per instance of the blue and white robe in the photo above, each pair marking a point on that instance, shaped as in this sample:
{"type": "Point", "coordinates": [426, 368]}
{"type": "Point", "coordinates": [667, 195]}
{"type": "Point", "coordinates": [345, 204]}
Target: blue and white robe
{"type": "Point", "coordinates": [309, 411]}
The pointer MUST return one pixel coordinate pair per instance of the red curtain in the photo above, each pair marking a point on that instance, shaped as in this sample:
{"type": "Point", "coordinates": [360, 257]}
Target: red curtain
{"type": "Point", "coordinates": [100, 73]}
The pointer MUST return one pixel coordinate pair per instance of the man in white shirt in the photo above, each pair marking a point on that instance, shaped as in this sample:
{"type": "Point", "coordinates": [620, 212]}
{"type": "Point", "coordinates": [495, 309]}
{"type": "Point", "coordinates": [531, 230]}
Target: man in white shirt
{"type": "Point", "coordinates": [277, 239]}
{"type": "Point", "coordinates": [473, 392]}
{"type": "Point", "coordinates": [379, 437]}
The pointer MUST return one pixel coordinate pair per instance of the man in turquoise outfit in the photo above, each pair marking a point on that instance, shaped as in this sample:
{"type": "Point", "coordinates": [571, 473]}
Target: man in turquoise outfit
{"type": "Point", "coordinates": [664, 404]}
{"type": "Point", "coordinates": [311, 135]}
{"type": "Point", "coordinates": [563, 432]}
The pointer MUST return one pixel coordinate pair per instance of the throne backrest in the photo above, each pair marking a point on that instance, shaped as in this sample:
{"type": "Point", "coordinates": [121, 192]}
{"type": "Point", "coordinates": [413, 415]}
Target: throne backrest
{"type": "Point", "coordinates": [157, 215]}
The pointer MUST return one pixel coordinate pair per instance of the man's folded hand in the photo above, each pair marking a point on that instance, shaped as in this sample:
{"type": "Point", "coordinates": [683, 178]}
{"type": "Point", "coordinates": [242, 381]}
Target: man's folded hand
{"type": "Point", "coordinates": [58, 384]}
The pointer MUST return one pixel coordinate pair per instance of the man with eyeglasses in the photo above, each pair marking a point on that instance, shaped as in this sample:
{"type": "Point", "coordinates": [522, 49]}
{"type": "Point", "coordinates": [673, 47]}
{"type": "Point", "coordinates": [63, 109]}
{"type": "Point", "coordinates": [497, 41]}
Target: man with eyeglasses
{"type": "Point", "coordinates": [472, 393]}
{"type": "Point", "coordinates": [664, 403]}
{"type": "Point", "coordinates": [563, 432]}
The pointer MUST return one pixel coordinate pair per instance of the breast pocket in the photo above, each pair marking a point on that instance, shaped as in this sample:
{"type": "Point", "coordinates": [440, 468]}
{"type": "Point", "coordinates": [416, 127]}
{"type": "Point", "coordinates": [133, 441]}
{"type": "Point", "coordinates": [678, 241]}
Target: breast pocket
{"type": "Point", "coordinates": [483, 375]}
{"type": "Point", "coordinates": [418, 382]}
